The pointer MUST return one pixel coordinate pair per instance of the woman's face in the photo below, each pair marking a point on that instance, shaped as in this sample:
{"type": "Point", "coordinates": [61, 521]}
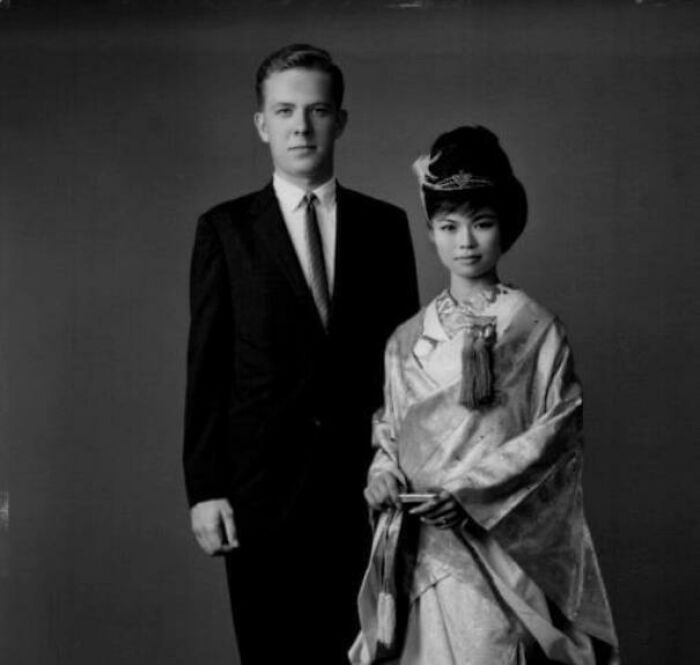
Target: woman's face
{"type": "Point", "coordinates": [468, 240]}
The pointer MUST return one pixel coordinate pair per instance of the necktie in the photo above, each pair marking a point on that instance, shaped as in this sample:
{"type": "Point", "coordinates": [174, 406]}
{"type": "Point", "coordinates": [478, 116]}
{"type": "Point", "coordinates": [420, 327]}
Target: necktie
{"type": "Point", "coordinates": [318, 278]}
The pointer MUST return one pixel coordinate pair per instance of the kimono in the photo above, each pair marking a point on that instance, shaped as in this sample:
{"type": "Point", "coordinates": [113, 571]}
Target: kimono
{"type": "Point", "coordinates": [519, 576]}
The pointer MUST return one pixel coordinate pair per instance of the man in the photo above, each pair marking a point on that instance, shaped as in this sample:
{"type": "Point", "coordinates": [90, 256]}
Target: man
{"type": "Point", "coordinates": [292, 300]}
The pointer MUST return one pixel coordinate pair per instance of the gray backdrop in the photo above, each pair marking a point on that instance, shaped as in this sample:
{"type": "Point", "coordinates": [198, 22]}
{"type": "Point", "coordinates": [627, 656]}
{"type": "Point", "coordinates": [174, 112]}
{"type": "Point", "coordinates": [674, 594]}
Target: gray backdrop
{"type": "Point", "coordinates": [117, 129]}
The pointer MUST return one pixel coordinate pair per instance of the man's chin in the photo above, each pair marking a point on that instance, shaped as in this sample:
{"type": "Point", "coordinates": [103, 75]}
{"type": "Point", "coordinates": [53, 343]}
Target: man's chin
{"type": "Point", "coordinates": [305, 163]}
{"type": "Point", "coordinates": [309, 172]}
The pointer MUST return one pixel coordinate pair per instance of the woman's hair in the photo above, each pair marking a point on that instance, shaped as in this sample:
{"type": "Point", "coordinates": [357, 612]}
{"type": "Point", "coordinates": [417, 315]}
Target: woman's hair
{"type": "Point", "coordinates": [468, 167]}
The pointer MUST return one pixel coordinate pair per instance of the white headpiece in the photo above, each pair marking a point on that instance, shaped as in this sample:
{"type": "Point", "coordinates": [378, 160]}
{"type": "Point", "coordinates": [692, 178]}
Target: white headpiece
{"type": "Point", "coordinates": [456, 182]}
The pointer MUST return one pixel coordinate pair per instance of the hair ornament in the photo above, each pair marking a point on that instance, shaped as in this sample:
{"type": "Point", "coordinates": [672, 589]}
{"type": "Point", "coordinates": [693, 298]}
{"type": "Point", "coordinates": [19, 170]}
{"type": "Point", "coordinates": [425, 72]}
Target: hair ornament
{"type": "Point", "coordinates": [455, 182]}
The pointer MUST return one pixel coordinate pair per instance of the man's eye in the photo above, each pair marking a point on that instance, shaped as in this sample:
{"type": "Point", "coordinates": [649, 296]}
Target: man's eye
{"type": "Point", "coordinates": [283, 112]}
{"type": "Point", "coordinates": [321, 112]}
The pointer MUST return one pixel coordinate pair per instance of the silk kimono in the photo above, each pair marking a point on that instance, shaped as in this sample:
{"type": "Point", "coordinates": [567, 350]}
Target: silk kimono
{"type": "Point", "coordinates": [521, 569]}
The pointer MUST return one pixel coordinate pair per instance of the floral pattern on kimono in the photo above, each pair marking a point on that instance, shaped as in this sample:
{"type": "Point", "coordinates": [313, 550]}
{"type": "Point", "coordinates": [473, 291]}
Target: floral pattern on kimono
{"type": "Point", "coordinates": [514, 466]}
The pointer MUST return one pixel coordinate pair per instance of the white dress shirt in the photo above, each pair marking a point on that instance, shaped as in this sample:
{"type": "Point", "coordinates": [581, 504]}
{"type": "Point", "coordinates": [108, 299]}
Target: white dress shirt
{"type": "Point", "coordinates": [291, 201]}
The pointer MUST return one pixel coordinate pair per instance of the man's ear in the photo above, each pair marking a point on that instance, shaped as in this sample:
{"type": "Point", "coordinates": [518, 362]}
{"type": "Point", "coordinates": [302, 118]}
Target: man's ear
{"type": "Point", "coordinates": [340, 122]}
{"type": "Point", "coordinates": [261, 126]}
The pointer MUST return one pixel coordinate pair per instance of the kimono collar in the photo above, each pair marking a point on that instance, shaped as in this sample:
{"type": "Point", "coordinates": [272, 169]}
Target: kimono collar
{"type": "Point", "coordinates": [447, 323]}
{"type": "Point", "coordinates": [455, 316]}
{"type": "Point", "coordinates": [432, 334]}
{"type": "Point", "coordinates": [445, 308]}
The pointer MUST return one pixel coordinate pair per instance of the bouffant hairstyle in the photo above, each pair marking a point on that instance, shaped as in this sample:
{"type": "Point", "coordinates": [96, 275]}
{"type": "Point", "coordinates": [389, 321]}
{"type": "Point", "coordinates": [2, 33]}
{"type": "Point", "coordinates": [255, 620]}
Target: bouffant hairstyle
{"type": "Point", "coordinates": [468, 167]}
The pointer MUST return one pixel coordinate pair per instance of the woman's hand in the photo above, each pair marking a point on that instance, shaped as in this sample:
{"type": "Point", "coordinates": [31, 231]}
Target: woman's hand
{"type": "Point", "coordinates": [442, 512]}
{"type": "Point", "coordinates": [382, 491]}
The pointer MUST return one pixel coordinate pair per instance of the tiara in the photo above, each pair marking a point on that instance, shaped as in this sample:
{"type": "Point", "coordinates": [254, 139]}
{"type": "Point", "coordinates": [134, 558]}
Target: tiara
{"type": "Point", "coordinates": [452, 183]}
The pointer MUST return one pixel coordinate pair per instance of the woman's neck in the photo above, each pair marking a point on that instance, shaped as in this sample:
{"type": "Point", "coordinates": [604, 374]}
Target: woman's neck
{"type": "Point", "coordinates": [465, 288]}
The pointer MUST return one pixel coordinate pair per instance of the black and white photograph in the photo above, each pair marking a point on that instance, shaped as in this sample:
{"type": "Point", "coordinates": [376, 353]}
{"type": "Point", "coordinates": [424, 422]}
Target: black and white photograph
{"type": "Point", "coordinates": [349, 332]}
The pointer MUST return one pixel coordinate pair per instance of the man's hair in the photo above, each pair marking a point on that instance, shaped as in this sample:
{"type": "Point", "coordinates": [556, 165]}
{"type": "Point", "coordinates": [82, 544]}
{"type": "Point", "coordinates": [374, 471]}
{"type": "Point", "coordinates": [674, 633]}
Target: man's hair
{"type": "Point", "coordinates": [300, 56]}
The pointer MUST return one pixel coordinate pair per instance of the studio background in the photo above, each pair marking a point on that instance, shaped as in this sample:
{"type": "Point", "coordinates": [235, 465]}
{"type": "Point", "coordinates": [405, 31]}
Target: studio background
{"type": "Point", "coordinates": [119, 127]}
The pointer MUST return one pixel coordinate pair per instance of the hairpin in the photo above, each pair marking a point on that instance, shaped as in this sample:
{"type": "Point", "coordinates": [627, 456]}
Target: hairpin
{"type": "Point", "coordinates": [455, 182]}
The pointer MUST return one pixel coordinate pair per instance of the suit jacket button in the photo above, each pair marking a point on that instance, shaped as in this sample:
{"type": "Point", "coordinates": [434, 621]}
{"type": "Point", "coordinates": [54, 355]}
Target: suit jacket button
{"type": "Point", "coordinates": [316, 422]}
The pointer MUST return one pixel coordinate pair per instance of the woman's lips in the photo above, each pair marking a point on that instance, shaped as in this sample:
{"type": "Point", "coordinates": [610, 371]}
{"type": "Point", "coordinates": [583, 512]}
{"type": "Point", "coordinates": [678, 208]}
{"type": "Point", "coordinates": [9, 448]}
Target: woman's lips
{"type": "Point", "coordinates": [474, 258]}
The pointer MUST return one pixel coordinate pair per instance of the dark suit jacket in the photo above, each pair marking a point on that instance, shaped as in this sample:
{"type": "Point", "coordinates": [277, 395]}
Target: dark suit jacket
{"type": "Point", "coordinates": [278, 409]}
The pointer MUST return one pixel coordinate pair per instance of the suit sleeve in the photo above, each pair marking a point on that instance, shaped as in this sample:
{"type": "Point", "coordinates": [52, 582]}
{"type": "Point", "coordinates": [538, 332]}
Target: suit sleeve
{"type": "Point", "coordinates": [405, 286]}
{"type": "Point", "coordinates": [208, 368]}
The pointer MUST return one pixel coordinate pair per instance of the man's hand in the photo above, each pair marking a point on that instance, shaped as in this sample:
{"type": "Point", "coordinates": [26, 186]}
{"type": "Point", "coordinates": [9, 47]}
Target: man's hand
{"type": "Point", "coordinates": [443, 512]}
{"type": "Point", "coordinates": [382, 491]}
{"type": "Point", "coordinates": [213, 526]}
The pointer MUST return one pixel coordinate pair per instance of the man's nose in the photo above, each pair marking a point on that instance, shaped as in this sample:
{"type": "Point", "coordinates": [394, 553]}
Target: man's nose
{"type": "Point", "coordinates": [302, 124]}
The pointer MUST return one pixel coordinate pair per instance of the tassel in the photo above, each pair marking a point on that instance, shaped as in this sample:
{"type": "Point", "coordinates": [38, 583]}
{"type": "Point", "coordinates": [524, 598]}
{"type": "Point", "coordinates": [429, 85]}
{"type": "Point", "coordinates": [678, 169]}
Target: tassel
{"type": "Point", "coordinates": [477, 369]}
{"type": "Point", "coordinates": [386, 619]}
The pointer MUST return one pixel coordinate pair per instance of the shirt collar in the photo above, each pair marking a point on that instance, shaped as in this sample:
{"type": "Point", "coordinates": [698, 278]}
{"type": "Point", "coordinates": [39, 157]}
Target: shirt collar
{"type": "Point", "coordinates": [291, 196]}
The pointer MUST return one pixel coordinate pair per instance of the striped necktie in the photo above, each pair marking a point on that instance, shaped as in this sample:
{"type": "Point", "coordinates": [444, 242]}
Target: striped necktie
{"type": "Point", "coordinates": [318, 277]}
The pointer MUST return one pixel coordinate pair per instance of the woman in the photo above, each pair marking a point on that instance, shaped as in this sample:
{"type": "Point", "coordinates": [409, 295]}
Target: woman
{"type": "Point", "coordinates": [481, 552]}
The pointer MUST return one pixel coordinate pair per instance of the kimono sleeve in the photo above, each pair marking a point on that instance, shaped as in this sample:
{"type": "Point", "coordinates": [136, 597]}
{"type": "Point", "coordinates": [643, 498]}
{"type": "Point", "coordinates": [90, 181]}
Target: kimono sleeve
{"type": "Point", "coordinates": [507, 473]}
{"type": "Point", "coordinates": [385, 420]}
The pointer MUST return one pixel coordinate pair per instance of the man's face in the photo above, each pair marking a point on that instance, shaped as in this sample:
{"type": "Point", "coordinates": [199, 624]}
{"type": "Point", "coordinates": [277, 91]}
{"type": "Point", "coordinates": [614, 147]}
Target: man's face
{"type": "Point", "coordinates": [300, 122]}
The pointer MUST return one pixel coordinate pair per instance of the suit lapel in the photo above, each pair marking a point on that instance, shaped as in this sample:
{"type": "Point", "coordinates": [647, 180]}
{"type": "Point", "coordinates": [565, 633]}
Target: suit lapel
{"type": "Point", "coordinates": [346, 250]}
{"type": "Point", "coordinates": [269, 225]}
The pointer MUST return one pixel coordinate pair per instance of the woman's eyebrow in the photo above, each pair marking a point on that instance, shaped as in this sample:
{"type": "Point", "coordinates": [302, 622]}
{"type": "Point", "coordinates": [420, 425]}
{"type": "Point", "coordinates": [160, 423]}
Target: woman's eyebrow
{"type": "Point", "coordinates": [484, 215]}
